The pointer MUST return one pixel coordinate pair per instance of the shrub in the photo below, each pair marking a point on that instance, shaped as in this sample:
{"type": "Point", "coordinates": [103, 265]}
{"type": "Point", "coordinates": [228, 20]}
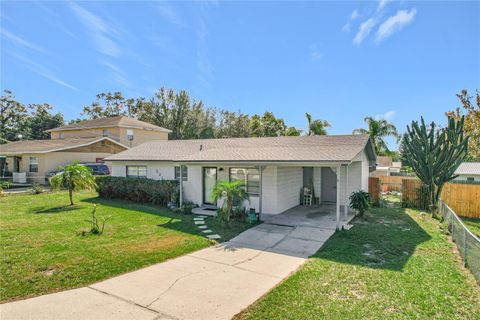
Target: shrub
{"type": "Point", "coordinates": [360, 201]}
{"type": "Point", "coordinates": [4, 185]}
{"type": "Point", "coordinates": [188, 207]}
{"type": "Point", "coordinates": [229, 192]}
{"type": "Point", "coordinates": [95, 227]}
{"type": "Point", "coordinates": [36, 188]}
{"type": "Point", "coordinates": [137, 189]}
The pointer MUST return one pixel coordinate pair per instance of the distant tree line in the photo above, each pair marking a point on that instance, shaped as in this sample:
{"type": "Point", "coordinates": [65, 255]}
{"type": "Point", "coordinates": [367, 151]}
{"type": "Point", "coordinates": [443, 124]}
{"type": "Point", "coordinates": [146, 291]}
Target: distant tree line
{"type": "Point", "coordinates": [186, 117]}
{"type": "Point", "coordinates": [191, 119]}
{"type": "Point", "coordinates": [30, 122]}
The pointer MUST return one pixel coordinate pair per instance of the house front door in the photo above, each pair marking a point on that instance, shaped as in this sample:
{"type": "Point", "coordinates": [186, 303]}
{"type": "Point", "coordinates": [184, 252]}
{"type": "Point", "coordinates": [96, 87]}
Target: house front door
{"type": "Point", "coordinates": [329, 185]}
{"type": "Point", "coordinates": [209, 181]}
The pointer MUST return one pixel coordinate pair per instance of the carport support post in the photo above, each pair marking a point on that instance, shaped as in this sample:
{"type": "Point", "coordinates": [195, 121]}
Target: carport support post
{"type": "Point", "coordinates": [260, 195]}
{"type": "Point", "coordinates": [181, 186]}
{"type": "Point", "coordinates": [338, 197]}
{"type": "Point", "coordinates": [346, 193]}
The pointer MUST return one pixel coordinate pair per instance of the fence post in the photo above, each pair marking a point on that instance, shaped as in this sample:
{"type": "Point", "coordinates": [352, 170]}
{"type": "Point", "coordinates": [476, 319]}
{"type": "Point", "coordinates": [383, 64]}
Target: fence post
{"type": "Point", "coordinates": [465, 247]}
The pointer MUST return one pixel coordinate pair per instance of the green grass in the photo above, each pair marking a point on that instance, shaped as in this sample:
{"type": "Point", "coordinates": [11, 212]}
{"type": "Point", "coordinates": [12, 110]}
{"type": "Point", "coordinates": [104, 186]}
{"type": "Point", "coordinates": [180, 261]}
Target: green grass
{"type": "Point", "coordinates": [392, 198]}
{"type": "Point", "coordinates": [395, 264]}
{"type": "Point", "coordinates": [473, 224]}
{"type": "Point", "coordinates": [43, 249]}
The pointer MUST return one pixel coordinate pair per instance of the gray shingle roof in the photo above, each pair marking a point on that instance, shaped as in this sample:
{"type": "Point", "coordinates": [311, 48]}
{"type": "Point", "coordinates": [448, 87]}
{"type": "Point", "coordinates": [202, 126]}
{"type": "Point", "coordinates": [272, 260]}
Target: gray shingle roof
{"type": "Point", "coordinates": [469, 168]}
{"type": "Point", "coordinates": [44, 146]}
{"type": "Point", "coordinates": [342, 148]}
{"type": "Point", "coordinates": [119, 121]}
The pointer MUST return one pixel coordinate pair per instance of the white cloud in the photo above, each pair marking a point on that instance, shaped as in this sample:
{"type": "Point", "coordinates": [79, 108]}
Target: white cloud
{"type": "Point", "coordinates": [382, 4]}
{"type": "Point", "coordinates": [43, 71]}
{"type": "Point", "coordinates": [118, 75]}
{"type": "Point", "coordinates": [315, 52]}
{"type": "Point", "coordinates": [100, 31]}
{"type": "Point", "coordinates": [395, 23]}
{"type": "Point", "coordinates": [169, 14]}
{"type": "Point", "coordinates": [364, 30]}
{"type": "Point", "coordinates": [206, 71]}
{"type": "Point", "coordinates": [353, 16]}
{"type": "Point", "coordinates": [20, 41]}
{"type": "Point", "coordinates": [389, 115]}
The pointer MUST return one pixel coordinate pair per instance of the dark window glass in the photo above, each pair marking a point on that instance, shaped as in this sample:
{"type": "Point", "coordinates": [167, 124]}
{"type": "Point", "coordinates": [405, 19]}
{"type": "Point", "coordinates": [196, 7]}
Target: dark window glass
{"type": "Point", "coordinates": [250, 176]}
{"type": "Point", "coordinates": [137, 171]}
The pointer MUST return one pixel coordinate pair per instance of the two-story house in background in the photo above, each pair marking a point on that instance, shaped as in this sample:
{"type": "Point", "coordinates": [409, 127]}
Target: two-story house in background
{"type": "Point", "coordinates": [86, 141]}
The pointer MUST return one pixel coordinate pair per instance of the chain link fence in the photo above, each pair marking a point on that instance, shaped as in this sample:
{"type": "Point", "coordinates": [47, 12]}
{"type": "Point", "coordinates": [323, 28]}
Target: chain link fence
{"type": "Point", "coordinates": [468, 244]}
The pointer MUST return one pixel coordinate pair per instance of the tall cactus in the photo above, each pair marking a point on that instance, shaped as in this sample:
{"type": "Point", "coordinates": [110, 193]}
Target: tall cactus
{"type": "Point", "coordinates": [435, 154]}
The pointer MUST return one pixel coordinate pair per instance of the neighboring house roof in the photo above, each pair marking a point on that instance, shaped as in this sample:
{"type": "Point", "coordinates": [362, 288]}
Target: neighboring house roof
{"type": "Point", "coordinates": [342, 148]}
{"type": "Point", "coordinates": [467, 168]}
{"type": "Point", "coordinates": [383, 161]}
{"type": "Point", "coordinates": [119, 121]}
{"type": "Point", "coordinates": [45, 146]}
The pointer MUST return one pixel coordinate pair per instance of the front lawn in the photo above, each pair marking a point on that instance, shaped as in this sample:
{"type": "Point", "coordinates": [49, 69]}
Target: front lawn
{"type": "Point", "coordinates": [395, 264]}
{"type": "Point", "coordinates": [43, 249]}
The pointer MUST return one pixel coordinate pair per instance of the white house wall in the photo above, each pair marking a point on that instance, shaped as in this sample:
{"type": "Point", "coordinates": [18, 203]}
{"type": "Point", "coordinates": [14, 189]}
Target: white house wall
{"type": "Point", "coordinates": [289, 184]}
{"type": "Point", "coordinates": [280, 185]}
{"type": "Point", "coordinates": [269, 189]}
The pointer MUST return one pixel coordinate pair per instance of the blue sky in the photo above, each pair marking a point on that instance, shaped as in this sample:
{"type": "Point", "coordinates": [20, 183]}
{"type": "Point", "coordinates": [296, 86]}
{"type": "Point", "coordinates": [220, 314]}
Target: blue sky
{"type": "Point", "coordinates": [340, 61]}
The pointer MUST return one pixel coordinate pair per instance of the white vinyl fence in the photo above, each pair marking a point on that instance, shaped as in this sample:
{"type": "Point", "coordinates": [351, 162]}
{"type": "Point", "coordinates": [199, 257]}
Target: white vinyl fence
{"type": "Point", "coordinates": [468, 244]}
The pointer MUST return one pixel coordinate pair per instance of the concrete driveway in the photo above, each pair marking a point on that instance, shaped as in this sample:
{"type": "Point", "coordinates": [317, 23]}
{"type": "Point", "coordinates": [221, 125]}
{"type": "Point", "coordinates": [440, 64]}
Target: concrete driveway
{"type": "Point", "coordinates": [214, 283]}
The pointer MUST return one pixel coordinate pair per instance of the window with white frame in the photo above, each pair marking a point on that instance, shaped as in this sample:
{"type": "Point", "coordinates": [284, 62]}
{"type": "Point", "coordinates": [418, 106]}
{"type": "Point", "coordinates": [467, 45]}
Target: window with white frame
{"type": "Point", "coordinates": [184, 173]}
{"type": "Point", "coordinates": [470, 179]}
{"type": "Point", "coordinates": [60, 135]}
{"type": "Point", "coordinates": [33, 164]}
{"type": "Point", "coordinates": [250, 176]}
{"type": "Point", "coordinates": [105, 132]}
{"type": "Point", "coordinates": [136, 171]}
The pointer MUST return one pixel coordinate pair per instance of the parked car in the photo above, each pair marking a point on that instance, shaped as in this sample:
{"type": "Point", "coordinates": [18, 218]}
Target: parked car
{"type": "Point", "coordinates": [98, 169]}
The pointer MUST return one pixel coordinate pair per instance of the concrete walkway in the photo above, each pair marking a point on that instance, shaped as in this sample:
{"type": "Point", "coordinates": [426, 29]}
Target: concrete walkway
{"type": "Point", "coordinates": [214, 283]}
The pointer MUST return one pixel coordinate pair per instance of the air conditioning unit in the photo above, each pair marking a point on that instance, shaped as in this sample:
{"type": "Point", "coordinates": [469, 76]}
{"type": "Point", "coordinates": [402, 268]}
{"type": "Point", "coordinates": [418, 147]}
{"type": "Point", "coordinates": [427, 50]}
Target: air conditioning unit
{"type": "Point", "coordinates": [129, 134]}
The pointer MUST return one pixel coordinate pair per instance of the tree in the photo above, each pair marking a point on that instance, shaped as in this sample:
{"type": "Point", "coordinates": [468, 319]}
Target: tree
{"type": "Point", "coordinates": [42, 120]}
{"type": "Point", "coordinates": [267, 125]}
{"type": "Point", "coordinates": [233, 125]}
{"type": "Point", "coordinates": [228, 192]}
{"type": "Point", "coordinates": [316, 127]}
{"type": "Point", "coordinates": [435, 154]}
{"type": "Point", "coordinates": [292, 131]}
{"type": "Point", "coordinates": [73, 177]}
{"type": "Point", "coordinates": [472, 122]}
{"type": "Point", "coordinates": [378, 130]}
{"type": "Point", "coordinates": [12, 117]}
{"type": "Point", "coordinates": [108, 105]}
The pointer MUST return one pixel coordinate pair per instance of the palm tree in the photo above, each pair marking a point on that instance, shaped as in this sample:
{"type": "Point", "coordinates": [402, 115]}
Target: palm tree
{"type": "Point", "coordinates": [316, 127]}
{"type": "Point", "coordinates": [73, 177]}
{"type": "Point", "coordinates": [229, 192]}
{"type": "Point", "coordinates": [378, 130]}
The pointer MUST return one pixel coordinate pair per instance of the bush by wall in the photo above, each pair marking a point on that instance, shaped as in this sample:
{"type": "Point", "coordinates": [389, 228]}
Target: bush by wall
{"type": "Point", "coordinates": [138, 189]}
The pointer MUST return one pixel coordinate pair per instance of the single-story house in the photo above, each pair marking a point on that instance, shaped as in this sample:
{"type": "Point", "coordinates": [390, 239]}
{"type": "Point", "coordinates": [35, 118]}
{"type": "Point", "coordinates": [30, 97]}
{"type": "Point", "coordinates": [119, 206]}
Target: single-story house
{"type": "Point", "coordinates": [275, 169]}
{"type": "Point", "coordinates": [85, 141]}
{"type": "Point", "coordinates": [35, 158]}
{"type": "Point", "coordinates": [468, 172]}
{"type": "Point", "coordinates": [386, 167]}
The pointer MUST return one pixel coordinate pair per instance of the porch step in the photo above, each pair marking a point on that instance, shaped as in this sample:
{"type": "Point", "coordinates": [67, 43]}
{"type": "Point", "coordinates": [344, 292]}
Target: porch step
{"type": "Point", "coordinates": [205, 211]}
